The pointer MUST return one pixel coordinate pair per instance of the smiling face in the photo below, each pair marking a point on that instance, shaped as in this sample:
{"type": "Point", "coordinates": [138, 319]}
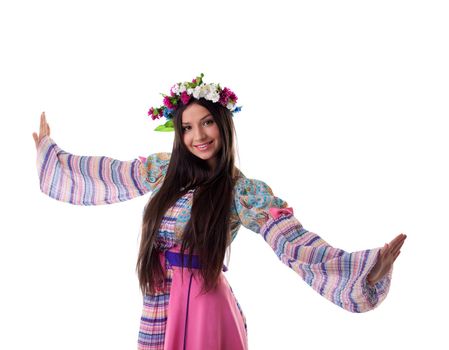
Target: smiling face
{"type": "Point", "coordinates": [201, 135]}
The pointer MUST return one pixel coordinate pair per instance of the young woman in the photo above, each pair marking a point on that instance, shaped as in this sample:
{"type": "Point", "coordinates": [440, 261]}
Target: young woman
{"type": "Point", "coordinates": [198, 202]}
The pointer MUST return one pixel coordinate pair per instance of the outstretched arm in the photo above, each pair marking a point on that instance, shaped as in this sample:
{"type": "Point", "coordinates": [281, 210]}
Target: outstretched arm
{"type": "Point", "coordinates": [93, 180]}
{"type": "Point", "coordinates": [339, 276]}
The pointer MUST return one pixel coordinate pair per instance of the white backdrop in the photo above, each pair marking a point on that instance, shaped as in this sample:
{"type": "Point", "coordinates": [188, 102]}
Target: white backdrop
{"type": "Point", "coordinates": [344, 111]}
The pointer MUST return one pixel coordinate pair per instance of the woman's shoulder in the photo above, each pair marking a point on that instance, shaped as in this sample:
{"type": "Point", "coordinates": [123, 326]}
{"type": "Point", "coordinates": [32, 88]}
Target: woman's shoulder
{"type": "Point", "coordinates": [249, 186]}
{"type": "Point", "coordinates": [154, 167]}
{"type": "Point", "coordinates": [158, 157]}
{"type": "Point", "coordinates": [155, 160]}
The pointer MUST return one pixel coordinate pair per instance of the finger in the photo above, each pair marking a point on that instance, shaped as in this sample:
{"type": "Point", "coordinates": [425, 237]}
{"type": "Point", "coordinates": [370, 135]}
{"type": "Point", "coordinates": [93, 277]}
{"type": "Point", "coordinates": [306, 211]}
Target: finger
{"type": "Point", "coordinates": [396, 256]}
{"type": "Point", "coordinates": [35, 138]}
{"type": "Point", "coordinates": [42, 125]}
{"type": "Point", "coordinates": [397, 241]}
{"type": "Point", "coordinates": [48, 129]}
{"type": "Point", "coordinates": [387, 257]}
{"type": "Point", "coordinates": [397, 247]}
{"type": "Point", "coordinates": [383, 251]}
{"type": "Point", "coordinates": [44, 119]}
{"type": "Point", "coordinates": [398, 244]}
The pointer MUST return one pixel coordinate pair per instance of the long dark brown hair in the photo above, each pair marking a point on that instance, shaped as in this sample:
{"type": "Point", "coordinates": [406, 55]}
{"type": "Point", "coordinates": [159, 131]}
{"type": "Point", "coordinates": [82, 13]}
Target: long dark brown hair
{"type": "Point", "coordinates": [207, 234]}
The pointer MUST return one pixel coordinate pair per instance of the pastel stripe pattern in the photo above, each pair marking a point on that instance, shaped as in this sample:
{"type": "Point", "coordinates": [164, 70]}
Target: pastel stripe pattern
{"type": "Point", "coordinates": [93, 180]}
{"type": "Point", "coordinates": [338, 276]}
{"type": "Point", "coordinates": [153, 321]}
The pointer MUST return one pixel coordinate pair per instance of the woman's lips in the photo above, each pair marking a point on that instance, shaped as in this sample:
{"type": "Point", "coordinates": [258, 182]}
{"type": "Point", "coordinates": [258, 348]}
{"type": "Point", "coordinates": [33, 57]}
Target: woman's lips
{"type": "Point", "coordinates": [203, 146]}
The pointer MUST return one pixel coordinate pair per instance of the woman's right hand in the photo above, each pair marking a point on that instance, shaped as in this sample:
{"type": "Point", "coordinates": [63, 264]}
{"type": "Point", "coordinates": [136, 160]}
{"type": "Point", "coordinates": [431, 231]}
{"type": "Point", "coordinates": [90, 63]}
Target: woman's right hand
{"type": "Point", "coordinates": [43, 131]}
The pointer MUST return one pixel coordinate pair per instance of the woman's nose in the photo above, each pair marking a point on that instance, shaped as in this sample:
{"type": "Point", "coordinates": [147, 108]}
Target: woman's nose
{"type": "Point", "coordinates": [199, 134]}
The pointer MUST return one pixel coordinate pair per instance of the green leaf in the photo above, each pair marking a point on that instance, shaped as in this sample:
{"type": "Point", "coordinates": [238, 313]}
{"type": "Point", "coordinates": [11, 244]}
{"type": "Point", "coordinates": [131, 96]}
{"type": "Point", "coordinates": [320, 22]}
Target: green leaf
{"type": "Point", "coordinates": [168, 126]}
{"type": "Point", "coordinates": [163, 128]}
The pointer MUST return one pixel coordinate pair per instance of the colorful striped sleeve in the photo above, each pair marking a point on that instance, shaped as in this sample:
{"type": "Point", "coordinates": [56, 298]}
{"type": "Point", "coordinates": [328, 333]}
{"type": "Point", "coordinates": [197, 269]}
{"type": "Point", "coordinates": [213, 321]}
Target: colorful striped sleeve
{"type": "Point", "coordinates": [338, 276]}
{"type": "Point", "coordinates": [95, 180]}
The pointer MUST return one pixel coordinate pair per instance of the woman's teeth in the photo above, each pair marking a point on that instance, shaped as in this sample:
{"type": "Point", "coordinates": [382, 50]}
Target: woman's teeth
{"type": "Point", "coordinates": [204, 146]}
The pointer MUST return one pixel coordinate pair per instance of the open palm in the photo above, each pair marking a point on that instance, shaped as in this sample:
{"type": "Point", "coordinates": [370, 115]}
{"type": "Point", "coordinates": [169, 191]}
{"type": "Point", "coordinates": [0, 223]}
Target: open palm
{"type": "Point", "coordinates": [387, 256]}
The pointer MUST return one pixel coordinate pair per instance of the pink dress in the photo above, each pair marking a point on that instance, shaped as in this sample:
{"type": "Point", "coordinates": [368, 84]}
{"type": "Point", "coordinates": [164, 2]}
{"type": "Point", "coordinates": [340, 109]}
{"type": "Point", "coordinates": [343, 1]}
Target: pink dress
{"type": "Point", "coordinates": [202, 321]}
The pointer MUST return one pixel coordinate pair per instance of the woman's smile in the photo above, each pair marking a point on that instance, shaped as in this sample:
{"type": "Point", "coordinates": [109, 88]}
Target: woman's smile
{"type": "Point", "coordinates": [204, 146]}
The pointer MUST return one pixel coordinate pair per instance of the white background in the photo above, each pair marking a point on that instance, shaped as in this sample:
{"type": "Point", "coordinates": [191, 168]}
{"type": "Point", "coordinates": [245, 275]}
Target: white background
{"type": "Point", "coordinates": [344, 116]}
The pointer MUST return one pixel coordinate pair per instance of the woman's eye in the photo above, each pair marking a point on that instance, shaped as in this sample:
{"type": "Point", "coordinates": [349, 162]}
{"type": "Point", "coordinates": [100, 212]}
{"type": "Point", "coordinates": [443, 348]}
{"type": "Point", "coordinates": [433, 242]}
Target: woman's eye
{"type": "Point", "coordinates": [207, 122]}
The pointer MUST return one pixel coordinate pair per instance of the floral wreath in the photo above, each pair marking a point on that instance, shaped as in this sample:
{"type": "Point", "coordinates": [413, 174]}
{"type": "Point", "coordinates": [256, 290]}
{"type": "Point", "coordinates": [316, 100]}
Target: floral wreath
{"type": "Point", "coordinates": [183, 92]}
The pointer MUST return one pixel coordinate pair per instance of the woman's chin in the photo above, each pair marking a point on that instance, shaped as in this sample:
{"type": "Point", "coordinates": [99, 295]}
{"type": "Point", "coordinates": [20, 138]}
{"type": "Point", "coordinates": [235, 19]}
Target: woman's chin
{"type": "Point", "coordinates": [204, 156]}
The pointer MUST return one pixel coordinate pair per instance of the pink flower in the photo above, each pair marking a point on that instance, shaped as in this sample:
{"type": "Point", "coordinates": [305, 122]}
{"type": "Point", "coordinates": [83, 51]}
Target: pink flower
{"type": "Point", "coordinates": [153, 113]}
{"type": "Point", "coordinates": [225, 95]}
{"type": "Point", "coordinates": [185, 98]}
{"type": "Point", "coordinates": [167, 102]}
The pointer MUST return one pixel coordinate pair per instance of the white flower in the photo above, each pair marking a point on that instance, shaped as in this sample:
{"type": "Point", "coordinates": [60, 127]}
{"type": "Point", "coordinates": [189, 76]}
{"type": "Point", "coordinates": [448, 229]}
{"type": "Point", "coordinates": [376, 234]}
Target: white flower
{"type": "Point", "coordinates": [196, 92]}
{"type": "Point", "coordinates": [181, 88]}
{"type": "Point", "coordinates": [213, 87]}
{"type": "Point", "coordinates": [208, 91]}
{"type": "Point", "coordinates": [205, 91]}
{"type": "Point", "coordinates": [175, 89]}
{"type": "Point", "coordinates": [213, 96]}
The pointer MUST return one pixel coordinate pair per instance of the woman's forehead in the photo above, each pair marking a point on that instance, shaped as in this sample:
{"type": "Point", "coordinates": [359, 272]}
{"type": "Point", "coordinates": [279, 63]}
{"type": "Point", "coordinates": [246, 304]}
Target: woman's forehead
{"type": "Point", "coordinates": [194, 113]}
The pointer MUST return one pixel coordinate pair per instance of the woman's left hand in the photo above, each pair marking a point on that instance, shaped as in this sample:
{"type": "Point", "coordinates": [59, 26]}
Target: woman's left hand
{"type": "Point", "coordinates": [387, 256]}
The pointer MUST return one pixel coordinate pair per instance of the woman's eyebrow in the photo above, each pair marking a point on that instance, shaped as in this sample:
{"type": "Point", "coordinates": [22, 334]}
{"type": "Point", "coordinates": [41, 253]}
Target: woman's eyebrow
{"type": "Point", "coordinates": [208, 115]}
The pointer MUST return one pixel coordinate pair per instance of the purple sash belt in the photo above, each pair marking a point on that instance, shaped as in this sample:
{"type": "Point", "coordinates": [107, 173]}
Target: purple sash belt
{"type": "Point", "coordinates": [175, 259]}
